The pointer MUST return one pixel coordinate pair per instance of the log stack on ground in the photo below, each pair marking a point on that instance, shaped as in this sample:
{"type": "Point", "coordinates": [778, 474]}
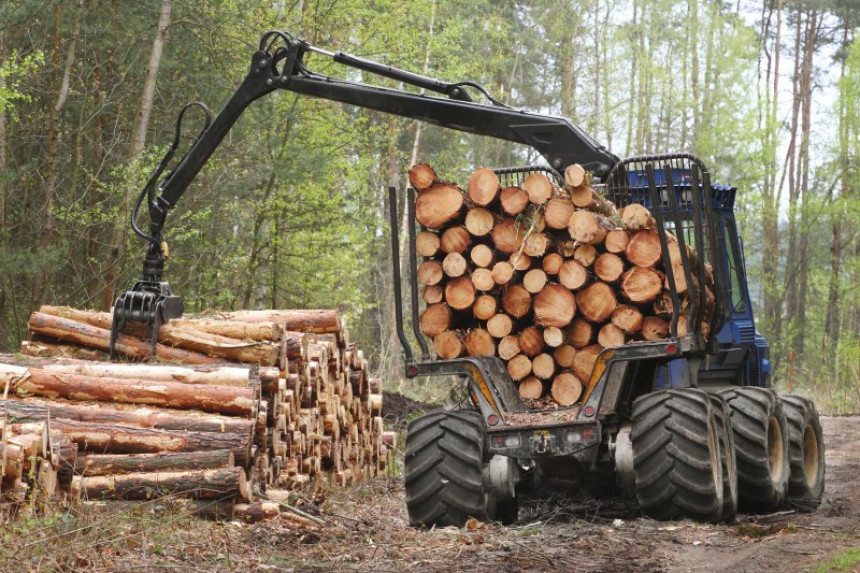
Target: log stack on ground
{"type": "Point", "coordinates": [549, 276]}
{"type": "Point", "coordinates": [254, 400]}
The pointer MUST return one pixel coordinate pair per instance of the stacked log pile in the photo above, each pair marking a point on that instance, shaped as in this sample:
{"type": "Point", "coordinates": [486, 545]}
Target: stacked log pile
{"type": "Point", "coordinates": [545, 277]}
{"type": "Point", "coordinates": [255, 400]}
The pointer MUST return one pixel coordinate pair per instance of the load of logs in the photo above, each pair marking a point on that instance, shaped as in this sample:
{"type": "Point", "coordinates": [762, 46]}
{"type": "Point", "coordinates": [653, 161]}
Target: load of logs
{"type": "Point", "coordinates": [542, 276]}
{"type": "Point", "coordinates": [253, 401]}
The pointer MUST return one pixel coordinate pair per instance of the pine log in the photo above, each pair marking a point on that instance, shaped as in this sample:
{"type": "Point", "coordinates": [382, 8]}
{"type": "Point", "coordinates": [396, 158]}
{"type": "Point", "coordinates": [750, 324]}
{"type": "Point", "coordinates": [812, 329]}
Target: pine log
{"type": "Point", "coordinates": [479, 342]}
{"type": "Point", "coordinates": [209, 398]}
{"type": "Point", "coordinates": [627, 318]}
{"type": "Point", "coordinates": [502, 272]}
{"type": "Point", "coordinates": [482, 279]}
{"type": "Point", "coordinates": [534, 280]}
{"type": "Point", "coordinates": [519, 367]}
{"type": "Point", "coordinates": [563, 355]}
{"type": "Point", "coordinates": [575, 176]}
{"type": "Point", "coordinates": [256, 511]}
{"type": "Point", "coordinates": [566, 389]}
{"type": "Point", "coordinates": [514, 200]}
{"type": "Point", "coordinates": [460, 293]}
{"type": "Point", "coordinates": [455, 239]}
{"type": "Point", "coordinates": [449, 344]}
{"type": "Point", "coordinates": [553, 336]}
{"type": "Point", "coordinates": [479, 222]}
{"type": "Point", "coordinates": [557, 212]}
{"type": "Point", "coordinates": [421, 176]}
{"type": "Point", "coordinates": [435, 318]}
{"type": "Point", "coordinates": [507, 236]}
{"type": "Point", "coordinates": [585, 255]}
{"type": "Point", "coordinates": [589, 227]}
{"type": "Point", "coordinates": [583, 361]}
{"type": "Point", "coordinates": [639, 285]}
{"type": "Point", "coordinates": [637, 217]}
{"type": "Point", "coordinates": [543, 366]}
{"type": "Point", "coordinates": [427, 243]}
{"type": "Point", "coordinates": [610, 335]}
{"type": "Point", "coordinates": [554, 305]}
{"type": "Point", "coordinates": [643, 249]}
{"type": "Point", "coordinates": [520, 261]}
{"type": "Point", "coordinates": [531, 341]}
{"type": "Point", "coordinates": [313, 321]}
{"type": "Point", "coordinates": [111, 464]}
{"type": "Point", "coordinates": [596, 302]}
{"type": "Point", "coordinates": [45, 349]}
{"type": "Point", "coordinates": [129, 415]}
{"type": "Point", "coordinates": [609, 267]}
{"type": "Point", "coordinates": [430, 272]}
{"type": "Point", "coordinates": [552, 263]}
{"type": "Point", "coordinates": [535, 244]}
{"type": "Point", "coordinates": [499, 325]}
{"type": "Point", "coordinates": [485, 306]}
{"type": "Point", "coordinates": [483, 186]}
{"type": "Point", "coordinates": [220, 375]}
{"type": "Point", "coordinates": [13, 456]}
{"type": "Point", "coordinates": [654, 328]}
{"type": "Point", "coordinates": [203, 484]}
{"type": "Point", "coordinates": [432, 294]}
{"type": "Point", "coordinates": [482, 255]}
{"type": "Point", "coordinates": [580, 333]}
{"type": "Point", "coordinates": [531, 388]}
{"type": "Point", "coordinates": [616, 241]}
{"type": "Point", "coordinates": [508, 347]}
{"type": "Point", "coordinates": [539, 188]}
{"type": "Point", "coordinates": [516, 300]}
{"type": "Point", "coordinates": [438, 205]}
{"type": "Point", "coordinates": [572, 275]}
{"type": "Point", "coordinates": [88, 335]}
{"type": "Point", "coordinates": [454, 265]}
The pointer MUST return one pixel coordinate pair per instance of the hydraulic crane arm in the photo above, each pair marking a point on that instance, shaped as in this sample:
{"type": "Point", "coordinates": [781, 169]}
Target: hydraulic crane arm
{"type": "Point", "coordinates": [279, 64]}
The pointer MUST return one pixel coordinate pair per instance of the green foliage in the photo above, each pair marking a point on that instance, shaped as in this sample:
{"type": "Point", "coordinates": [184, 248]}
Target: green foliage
{"type": "Point", "coordinates": [848, 560]}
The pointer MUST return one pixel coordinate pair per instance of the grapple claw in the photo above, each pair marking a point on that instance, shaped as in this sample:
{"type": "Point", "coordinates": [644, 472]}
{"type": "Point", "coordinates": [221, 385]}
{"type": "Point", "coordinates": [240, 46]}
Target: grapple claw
{"type": "Point", "coordinates": [148, 303]}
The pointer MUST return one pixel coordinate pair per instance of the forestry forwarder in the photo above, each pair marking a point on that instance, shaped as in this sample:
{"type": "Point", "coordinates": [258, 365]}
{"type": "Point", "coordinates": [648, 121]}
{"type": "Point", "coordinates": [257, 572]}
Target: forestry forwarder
{"type": "Point", "coordinates": [688, 424]}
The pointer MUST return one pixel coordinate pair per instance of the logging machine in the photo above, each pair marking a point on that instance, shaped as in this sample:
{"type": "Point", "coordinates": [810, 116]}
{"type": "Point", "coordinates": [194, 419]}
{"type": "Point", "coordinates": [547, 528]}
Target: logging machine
{"type": "Point", "coordinates": [688, 425]}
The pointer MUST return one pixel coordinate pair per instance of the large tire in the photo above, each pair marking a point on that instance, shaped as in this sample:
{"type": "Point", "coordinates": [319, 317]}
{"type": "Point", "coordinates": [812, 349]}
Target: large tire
{"type": "Point", "coordinates": [722, 417]}
{"type": "Point", "coordinates": [676, 456]}
{"type": "Point", "coordinates": [444, 464]}
{"type": "Point", "coordinates": [806, 482]}
{"type": "Point", "coordinates": [761, 445]}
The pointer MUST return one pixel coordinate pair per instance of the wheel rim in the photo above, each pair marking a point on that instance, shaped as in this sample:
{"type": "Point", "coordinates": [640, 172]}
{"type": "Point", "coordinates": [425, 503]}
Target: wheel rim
{"type": "Point", "coordinates": [776, 449]}
{"type": "Point", "coordinates": [810, 456]}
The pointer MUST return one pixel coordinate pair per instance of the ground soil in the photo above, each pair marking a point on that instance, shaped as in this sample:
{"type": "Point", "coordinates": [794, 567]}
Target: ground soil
{"type": "Point", "coordinates": [365, 528]}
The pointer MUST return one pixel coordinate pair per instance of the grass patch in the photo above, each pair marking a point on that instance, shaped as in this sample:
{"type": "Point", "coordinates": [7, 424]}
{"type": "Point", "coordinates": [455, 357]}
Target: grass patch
{"type": "Point", "coordinates": [848, 560]}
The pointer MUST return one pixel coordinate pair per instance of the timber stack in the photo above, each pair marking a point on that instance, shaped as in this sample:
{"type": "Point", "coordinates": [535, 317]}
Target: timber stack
{"type": "Point", "coordinates": [541, 275]}
{"type": "Point", "coordinates": [236, 404]}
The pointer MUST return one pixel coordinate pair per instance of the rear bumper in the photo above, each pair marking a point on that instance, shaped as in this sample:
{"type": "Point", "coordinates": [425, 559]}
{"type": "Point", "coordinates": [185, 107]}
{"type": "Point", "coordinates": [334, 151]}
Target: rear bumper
{"type": "Point", "coordinates": [574, 439]}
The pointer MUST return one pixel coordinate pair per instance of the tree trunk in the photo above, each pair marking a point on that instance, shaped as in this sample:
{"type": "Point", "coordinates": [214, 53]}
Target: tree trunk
{"type": "Point", "coordinates": [204, 484]}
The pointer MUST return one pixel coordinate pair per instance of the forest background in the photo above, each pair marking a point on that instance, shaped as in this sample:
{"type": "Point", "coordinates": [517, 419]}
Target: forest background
{"type": "Point", "coordinates": [291, 210]}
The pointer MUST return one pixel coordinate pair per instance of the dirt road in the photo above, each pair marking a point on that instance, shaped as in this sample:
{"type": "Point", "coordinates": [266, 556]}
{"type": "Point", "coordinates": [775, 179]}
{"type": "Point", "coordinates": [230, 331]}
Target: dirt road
{"type": "Point", "coordinates": [365, 529]}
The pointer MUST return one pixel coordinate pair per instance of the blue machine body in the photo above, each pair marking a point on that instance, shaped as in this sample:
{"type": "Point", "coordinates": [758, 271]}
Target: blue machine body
{"type": "Point", "coordinates": [743, 357]}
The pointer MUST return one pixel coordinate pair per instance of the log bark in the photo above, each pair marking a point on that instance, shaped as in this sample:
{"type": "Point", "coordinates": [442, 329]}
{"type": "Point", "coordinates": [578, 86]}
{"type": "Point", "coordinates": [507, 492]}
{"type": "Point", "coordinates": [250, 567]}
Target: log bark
{"type": "Point", "coordinates": [209, 398]}
{"type": "Point", "coordinates": [304, 320]}
{"type": "Point", "coordinates": [204, 484]}
{"type": "Point", "coordinates": [438, 205]}
{"type": "Point", "coordinates": [112, 464]}
{"type": "Point", "coordinates": [256, 511]}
